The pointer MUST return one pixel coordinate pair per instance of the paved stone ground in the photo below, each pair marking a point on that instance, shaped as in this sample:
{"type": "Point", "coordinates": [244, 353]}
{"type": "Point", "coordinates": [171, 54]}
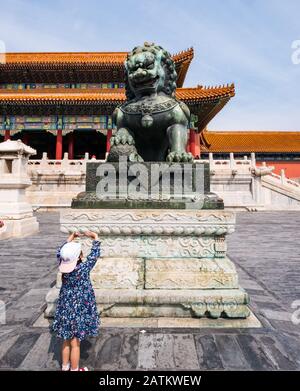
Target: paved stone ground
{"type": "Point", "coordinates": [264, 248]}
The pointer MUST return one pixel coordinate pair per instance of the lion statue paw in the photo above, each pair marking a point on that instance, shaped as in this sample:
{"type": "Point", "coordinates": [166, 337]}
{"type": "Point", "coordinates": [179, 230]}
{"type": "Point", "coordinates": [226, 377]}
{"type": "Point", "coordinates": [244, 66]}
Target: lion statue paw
{"type": "Point", "coordinates": [181, 157]}
{"type": "Point", "coordinates": [122, 137]}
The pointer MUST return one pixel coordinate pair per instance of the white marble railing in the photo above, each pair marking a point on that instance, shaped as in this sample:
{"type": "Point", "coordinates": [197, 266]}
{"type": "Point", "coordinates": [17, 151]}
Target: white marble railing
{"type": "Point", "coordinates": [231, 163]}
{"type": "Point", "coordinates": [44, 165]}
{"type": "Point", "coordinates": [67, 163]}
{"type": "Point", "coordinates": [240, 182]}
{"type": "Point", "coordinates": [283, 179]}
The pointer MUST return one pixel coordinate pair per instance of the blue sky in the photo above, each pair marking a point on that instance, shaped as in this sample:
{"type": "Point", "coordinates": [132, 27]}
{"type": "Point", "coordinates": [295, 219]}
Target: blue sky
{"type": "Point", "coordinates": [247, 42]}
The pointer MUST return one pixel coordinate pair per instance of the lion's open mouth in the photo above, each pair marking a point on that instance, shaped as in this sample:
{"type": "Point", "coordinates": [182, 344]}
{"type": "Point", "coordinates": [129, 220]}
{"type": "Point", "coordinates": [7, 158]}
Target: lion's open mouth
{"type": "Point", "coordinates": [145, 82]}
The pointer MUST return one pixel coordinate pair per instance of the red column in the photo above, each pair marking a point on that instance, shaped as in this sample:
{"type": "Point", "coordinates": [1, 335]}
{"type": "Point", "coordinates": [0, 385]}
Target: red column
{"type": "Point", "coordinates": [7, 134]}
{"type": "Point", "coordinates": [197, 145]}
{"type": "Point", "coordinates": [71, 145]}
{"type": "Point", "coordinates": [108, 137]}
{"type": "Point", "coordinates": [194, 142]}
{"type": "Point", "coordinates": [58, 154]}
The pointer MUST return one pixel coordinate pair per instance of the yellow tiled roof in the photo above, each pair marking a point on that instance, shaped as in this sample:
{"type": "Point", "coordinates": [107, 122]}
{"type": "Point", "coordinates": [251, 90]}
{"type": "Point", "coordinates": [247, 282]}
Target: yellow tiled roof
{"type": "Point", "coordinates": [191, 95]}
{"type": "Point", "coordinates": [250, 141]}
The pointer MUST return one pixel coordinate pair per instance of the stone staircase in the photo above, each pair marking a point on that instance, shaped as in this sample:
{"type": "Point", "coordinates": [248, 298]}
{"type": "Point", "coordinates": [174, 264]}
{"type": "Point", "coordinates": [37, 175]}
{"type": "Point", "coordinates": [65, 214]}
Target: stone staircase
{"type": "Point", "coordinates": [280, 191]}
{"type": "Point", "coordinates": [245, 185]}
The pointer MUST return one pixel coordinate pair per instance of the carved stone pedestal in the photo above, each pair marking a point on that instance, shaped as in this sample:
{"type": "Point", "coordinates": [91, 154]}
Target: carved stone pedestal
{"type": "Point", "coordinates": [156, 263]}
{"type": "Point", "coordinates": [15, 211]}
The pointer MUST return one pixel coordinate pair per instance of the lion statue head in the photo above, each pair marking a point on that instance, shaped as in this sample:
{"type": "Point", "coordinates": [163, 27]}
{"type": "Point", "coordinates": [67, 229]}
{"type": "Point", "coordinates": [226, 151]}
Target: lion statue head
{"type": "Point", "coordinates": [149, 69]}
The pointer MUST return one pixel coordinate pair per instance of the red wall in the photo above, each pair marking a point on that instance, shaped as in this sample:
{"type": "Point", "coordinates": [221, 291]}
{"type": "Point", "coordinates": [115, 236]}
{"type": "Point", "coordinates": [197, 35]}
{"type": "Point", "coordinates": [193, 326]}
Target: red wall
{"type": "Point", "coordinates": [292, 169]}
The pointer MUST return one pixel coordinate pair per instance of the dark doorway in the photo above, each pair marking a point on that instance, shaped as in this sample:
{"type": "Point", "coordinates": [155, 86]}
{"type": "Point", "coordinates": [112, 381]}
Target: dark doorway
{"type": "Point", "coordinates": [40, 140]}
{"type": "Point", "coordinates": [87, 141]}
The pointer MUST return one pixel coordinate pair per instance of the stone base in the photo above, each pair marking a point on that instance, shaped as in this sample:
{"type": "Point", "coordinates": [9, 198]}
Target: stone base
{"type": "Point", "coordinates": [159, 263]}
{"type": "Point", "coordinates": [165, 322]}
{"type": "Point", "coordinates": [159, 273]}
{"type": "Point", "coordinates": [143, 303]}
{"type": "Point", "coordinates": [19, 228]}
{"type": "Point", "coordinates": [162, 185]}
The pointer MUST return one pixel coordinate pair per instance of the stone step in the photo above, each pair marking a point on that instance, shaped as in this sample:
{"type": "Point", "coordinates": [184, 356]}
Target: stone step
{"type": "Point", "coordinates": [213, 303]}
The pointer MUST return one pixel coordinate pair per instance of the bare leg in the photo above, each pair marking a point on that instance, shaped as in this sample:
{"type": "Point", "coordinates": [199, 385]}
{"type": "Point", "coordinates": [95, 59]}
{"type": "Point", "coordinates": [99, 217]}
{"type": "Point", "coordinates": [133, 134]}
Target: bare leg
{"type": "Point", "coordinates": [65, 352]}
{"type": "Point", "coordinates": [75, 353]}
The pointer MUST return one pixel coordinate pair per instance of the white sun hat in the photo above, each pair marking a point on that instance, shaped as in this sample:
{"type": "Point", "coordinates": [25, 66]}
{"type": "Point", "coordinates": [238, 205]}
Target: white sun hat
{"type": "Point", "coordinates": [69, 255]}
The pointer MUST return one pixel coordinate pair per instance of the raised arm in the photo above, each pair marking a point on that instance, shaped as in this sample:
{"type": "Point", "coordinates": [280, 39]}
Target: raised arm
{"type": "Point", "coordinates": [92, 257]}
{"type": "Point", "coordinates": [94, 253]}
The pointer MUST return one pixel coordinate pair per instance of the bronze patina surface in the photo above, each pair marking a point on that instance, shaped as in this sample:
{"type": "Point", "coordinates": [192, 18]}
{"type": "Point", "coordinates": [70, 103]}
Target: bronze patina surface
{"type": "Point", "coordinates": [152, 125]}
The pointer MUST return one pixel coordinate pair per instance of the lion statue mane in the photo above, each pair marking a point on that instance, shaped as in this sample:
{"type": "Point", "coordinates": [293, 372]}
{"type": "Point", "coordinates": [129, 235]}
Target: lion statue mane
{"type": "Point", "coordinates": [152, 125]}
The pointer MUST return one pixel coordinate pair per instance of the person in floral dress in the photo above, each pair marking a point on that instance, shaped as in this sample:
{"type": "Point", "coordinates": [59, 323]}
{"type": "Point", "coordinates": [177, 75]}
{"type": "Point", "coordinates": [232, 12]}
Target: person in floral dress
{"type": "Point", "coordinates": [76, 316]}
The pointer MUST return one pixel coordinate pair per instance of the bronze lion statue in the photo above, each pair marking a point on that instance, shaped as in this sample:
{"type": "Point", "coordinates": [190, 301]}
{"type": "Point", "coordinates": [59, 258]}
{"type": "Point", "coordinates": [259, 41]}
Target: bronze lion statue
{"type": "Point", "coordinates": [152, 125]}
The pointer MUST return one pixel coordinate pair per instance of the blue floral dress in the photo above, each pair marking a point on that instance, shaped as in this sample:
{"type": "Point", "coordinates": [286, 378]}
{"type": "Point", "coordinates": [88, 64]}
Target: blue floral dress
{"type": "Point", "coordinates": [76, 312]}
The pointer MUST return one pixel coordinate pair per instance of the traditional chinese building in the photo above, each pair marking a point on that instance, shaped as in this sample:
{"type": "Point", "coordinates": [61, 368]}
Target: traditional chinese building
{"type": "Point", "coordinates": [278, 149]}
{"type": "Point", "coordinates": [63, 102]}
